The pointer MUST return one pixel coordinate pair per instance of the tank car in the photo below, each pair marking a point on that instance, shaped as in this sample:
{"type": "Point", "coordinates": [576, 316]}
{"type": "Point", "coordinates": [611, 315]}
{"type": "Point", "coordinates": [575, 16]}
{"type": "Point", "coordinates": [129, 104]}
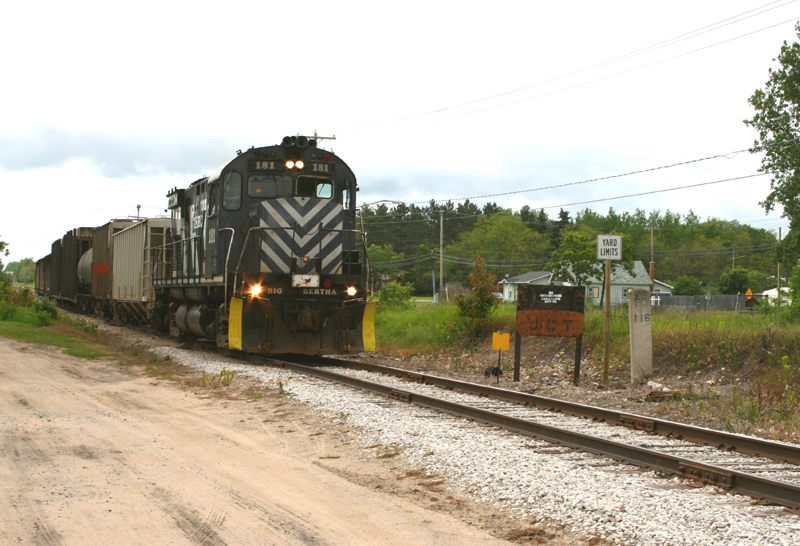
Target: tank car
{"type": "Point", "coordinates": [265, 255]}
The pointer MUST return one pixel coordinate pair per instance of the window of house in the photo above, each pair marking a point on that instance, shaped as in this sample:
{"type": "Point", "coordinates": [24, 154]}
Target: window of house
{"type": "Point", "coordinates": [625, 293]}
{"type": "Point", "coordinates": [594, 292]}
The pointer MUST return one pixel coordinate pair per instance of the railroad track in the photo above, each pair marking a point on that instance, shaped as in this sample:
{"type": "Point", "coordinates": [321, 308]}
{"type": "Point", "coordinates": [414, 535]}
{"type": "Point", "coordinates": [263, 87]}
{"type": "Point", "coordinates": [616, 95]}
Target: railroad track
{"type": "Point", "coordinates": [762, 469]}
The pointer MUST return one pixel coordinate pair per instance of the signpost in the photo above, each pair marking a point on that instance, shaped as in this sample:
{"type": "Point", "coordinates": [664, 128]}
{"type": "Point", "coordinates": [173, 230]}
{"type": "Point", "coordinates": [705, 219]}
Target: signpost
{"type": "Point", "coordinates": [550, 311]}
{"type": "Point", "coordinates": [499, 344]}
{"type": "Point", "coordinates": [609, 247]}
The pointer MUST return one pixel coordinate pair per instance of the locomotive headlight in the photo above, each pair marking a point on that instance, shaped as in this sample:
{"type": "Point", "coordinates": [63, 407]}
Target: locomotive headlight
{"type": "Point", "coordinates": [255, 290]}
{"type": "Point", "coordinates": [290, 164]}
{"type": "Point", "coordinates": [351, 291]}
{"type": "Point", "coordinates": [299, 164]}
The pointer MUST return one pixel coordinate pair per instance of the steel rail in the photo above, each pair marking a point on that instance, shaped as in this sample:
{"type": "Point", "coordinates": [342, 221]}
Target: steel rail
{"type": "Point", "coordinates": [723, 440]}
{"type": "Point", "coordinates": [771, 490]}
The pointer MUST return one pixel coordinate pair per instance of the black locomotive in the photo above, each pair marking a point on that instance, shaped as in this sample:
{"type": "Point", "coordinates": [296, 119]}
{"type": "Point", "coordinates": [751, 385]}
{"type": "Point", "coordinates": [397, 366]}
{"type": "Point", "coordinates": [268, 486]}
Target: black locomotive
{"type": "Point", "coordinates": [264, 255]}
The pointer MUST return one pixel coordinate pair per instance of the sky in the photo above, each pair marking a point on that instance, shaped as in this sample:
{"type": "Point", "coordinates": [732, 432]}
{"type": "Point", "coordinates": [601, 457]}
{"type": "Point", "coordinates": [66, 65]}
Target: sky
{"type": "Point", "coordinates": [106, 106]}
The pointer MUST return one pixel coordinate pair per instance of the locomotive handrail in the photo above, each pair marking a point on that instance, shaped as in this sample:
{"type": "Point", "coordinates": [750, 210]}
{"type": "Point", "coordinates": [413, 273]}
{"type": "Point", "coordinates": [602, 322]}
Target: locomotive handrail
{"type": "Point", "coordinates": [172, 244]}
{"type": "Point", "coordinates": [227, 257]}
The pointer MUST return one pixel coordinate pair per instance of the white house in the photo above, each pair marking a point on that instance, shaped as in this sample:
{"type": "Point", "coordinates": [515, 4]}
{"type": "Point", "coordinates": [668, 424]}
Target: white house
{"type": "Point", "coordinates": [511, 285]}
{"type": "Point", "coordinates": [621, 283]}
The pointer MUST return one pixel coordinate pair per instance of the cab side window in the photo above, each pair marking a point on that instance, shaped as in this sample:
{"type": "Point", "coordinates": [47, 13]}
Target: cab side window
{"type": "Point", "coordinates": [314, 186]}
{"type": "Point", "coordinates": [232, 191]}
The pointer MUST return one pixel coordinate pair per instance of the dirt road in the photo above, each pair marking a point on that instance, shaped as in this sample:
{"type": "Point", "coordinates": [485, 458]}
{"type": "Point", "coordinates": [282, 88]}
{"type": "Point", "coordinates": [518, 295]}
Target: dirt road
{"type": "Point", "coordinates": [98, 453]}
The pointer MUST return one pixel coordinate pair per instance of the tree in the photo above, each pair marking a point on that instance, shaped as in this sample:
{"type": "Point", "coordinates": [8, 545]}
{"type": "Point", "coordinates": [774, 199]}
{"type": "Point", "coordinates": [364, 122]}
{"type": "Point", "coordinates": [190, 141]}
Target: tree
{"type": "Point", "coordinates": [576, 257]}
{"type": "Point", "coordinates": [777, 119]}
{"type": "Point", "coordinates": [3, 252]}
{"type": "Point", "coordinates": [384, 261]}
{"type": "Point", "coordinates": [5, 280]}
{"type": "Point", "coordinates": [739, 280]}
{"type": "Point", "coordinates": [687, 286]}
{"type": "Point", "coordinates": [24, 271]}
{"type": "Point", "coordinates": [475, 307]}
{"type": "Point", "coordinates": [502, 237]}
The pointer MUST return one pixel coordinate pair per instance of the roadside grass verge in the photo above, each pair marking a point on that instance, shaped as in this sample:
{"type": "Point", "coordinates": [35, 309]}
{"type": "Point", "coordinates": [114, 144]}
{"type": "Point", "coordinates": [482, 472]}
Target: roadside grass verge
{"type": "Point", "coordinates": [414, 329]}
{"type": "Point", "coordinates": [71, 343]}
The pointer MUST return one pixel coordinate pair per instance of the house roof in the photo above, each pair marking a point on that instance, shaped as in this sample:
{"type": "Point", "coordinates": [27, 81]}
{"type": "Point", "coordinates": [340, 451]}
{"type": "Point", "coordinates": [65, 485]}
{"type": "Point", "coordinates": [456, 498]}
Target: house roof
{"type": "Point", "coordinates": [526, 277]}
{"type": "Point", "coordinates": [620, 276]}
{"type": "Point", "coordinates": [640, 277]}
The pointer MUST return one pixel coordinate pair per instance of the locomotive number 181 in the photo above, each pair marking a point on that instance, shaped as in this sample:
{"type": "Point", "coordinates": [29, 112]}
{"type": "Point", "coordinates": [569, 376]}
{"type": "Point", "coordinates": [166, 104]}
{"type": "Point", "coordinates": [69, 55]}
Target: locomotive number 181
{"type": "Point", "coordinates": [321, 168]}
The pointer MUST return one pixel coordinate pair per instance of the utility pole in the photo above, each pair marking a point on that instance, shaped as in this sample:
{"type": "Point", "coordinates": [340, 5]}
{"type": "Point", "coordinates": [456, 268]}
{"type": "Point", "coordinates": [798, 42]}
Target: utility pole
{"type": "Point", "coordinates": [652, 264]}
{"type": "Point", "coordinates": [441, 254]}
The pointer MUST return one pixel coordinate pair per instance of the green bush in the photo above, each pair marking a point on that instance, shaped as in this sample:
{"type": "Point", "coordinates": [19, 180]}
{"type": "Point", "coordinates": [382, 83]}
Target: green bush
{"type": "Point", "coordinates": [5, 286]}
{"type": "Point", "coordinates": [7, 311]}
{"type": "Point", "coordinates": [687, 286]}
{"type": "Point", "coordinates": [394, 293]}
{"type": "Point", "coordinates": [45, 305]}
{"type": "Point", "coordinates": [475, 308]}
{"type": "Point", "coordinates": [85, 325]}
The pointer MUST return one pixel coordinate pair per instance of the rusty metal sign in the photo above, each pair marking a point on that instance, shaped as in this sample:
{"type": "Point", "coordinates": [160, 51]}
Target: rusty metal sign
{"type": "Point", "coordinates": [550, 310]}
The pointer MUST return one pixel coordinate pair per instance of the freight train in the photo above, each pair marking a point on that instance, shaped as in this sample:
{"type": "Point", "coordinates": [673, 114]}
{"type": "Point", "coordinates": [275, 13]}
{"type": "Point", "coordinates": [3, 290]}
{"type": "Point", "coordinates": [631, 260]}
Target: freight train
{"type": "Point", "coordinates": [264, 255]}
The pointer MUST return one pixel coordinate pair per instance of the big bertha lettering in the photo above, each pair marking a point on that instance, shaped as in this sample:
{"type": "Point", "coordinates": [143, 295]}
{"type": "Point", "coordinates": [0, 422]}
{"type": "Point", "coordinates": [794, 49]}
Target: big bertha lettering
{"type": "Point", "coordinates": [319, 291]}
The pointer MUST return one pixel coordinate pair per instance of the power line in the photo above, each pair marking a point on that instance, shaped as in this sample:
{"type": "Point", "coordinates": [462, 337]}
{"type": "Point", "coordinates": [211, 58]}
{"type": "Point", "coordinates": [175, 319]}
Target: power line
{"type": "Point", "coordinates": [733, 154]}
{"type": "Point", "coordinates": [729, 155]}
{"type": "Point", "coordinates": [614, 60]}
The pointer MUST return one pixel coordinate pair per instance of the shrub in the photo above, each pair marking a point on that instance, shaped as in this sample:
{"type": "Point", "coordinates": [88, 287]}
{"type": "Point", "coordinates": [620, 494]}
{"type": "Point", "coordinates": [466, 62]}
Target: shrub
{"type": "Point", "coordinates": [5, 285]}
{"type": "Point", "coordinates": [7, 311]}
{"type": "Point", "coordinates": [476, 306]}
{"type": "Point", "coordinates": [22, 298]}
{"type": "Point", "coordinates": [45, 305]}
{"type": "Point", "coordinates": [687, 286]}
{"type": "Point", "coordinates": [394, 293]}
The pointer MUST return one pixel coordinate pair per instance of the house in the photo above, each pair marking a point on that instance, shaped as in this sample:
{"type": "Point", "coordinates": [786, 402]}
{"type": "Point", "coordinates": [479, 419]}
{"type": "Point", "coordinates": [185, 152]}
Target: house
{"type": "Point", "coordinates": [511, 285]}
{"type": "Point", "coordinates": [621, 283]}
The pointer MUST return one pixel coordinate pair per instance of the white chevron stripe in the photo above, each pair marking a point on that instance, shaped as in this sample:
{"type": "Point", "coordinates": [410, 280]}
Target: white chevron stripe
{"type": "Point", "coordinates": [299, 217]}
{"type": "Point", "coordinates": [278, 213]}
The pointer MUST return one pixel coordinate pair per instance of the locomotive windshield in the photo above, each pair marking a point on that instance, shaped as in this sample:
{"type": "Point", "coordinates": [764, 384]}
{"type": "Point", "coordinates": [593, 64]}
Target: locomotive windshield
{"type": "Point", "coordinates": [314, 186]}
{"type": "Point", "coordinates": [269, 185]}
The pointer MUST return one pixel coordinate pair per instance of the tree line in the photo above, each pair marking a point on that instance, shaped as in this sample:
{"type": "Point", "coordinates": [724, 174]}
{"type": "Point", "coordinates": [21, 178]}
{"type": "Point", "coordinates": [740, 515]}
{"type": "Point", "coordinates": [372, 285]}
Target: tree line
{"type": "Point", "coordinates": [689, 253]}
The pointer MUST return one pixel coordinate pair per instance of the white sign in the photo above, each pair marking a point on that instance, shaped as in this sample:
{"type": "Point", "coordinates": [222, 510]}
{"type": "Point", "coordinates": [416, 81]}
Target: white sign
{"type": "Point", "coordinates": [609, 247]}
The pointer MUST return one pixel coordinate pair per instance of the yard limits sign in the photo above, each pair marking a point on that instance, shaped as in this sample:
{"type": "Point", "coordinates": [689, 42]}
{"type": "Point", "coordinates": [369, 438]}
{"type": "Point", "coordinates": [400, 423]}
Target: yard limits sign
{"type": "Point", "coordinates": [609, 247]}
{"type": "Point", "coordinates": [550, 311]}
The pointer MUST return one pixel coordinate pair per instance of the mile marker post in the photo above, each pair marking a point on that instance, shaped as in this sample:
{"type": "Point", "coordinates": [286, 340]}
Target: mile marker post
{"type": "Point", "coordinates": [609, 247]}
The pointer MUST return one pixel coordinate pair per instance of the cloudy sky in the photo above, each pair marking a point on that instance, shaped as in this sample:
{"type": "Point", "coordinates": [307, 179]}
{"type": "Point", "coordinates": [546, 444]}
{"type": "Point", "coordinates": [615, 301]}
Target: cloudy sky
{"type": "Point", "coordinates": [106, 106]}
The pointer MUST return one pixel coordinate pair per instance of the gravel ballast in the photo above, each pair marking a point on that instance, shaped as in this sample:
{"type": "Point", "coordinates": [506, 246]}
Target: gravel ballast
{"type": "Point", "coordinates": [529, 479]}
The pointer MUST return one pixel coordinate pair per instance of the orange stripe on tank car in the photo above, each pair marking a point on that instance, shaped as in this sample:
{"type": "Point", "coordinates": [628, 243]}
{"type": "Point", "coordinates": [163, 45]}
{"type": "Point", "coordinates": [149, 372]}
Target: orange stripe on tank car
{"type": "Point", "coordinates": [99, 269]}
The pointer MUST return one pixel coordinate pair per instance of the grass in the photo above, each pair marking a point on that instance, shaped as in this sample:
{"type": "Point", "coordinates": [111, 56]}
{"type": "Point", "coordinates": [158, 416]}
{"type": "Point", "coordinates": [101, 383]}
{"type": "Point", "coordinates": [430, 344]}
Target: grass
{"type": "Point", "coordinates": [72, 345]}
{"type": "Point", "coordinates": [414, 329]}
